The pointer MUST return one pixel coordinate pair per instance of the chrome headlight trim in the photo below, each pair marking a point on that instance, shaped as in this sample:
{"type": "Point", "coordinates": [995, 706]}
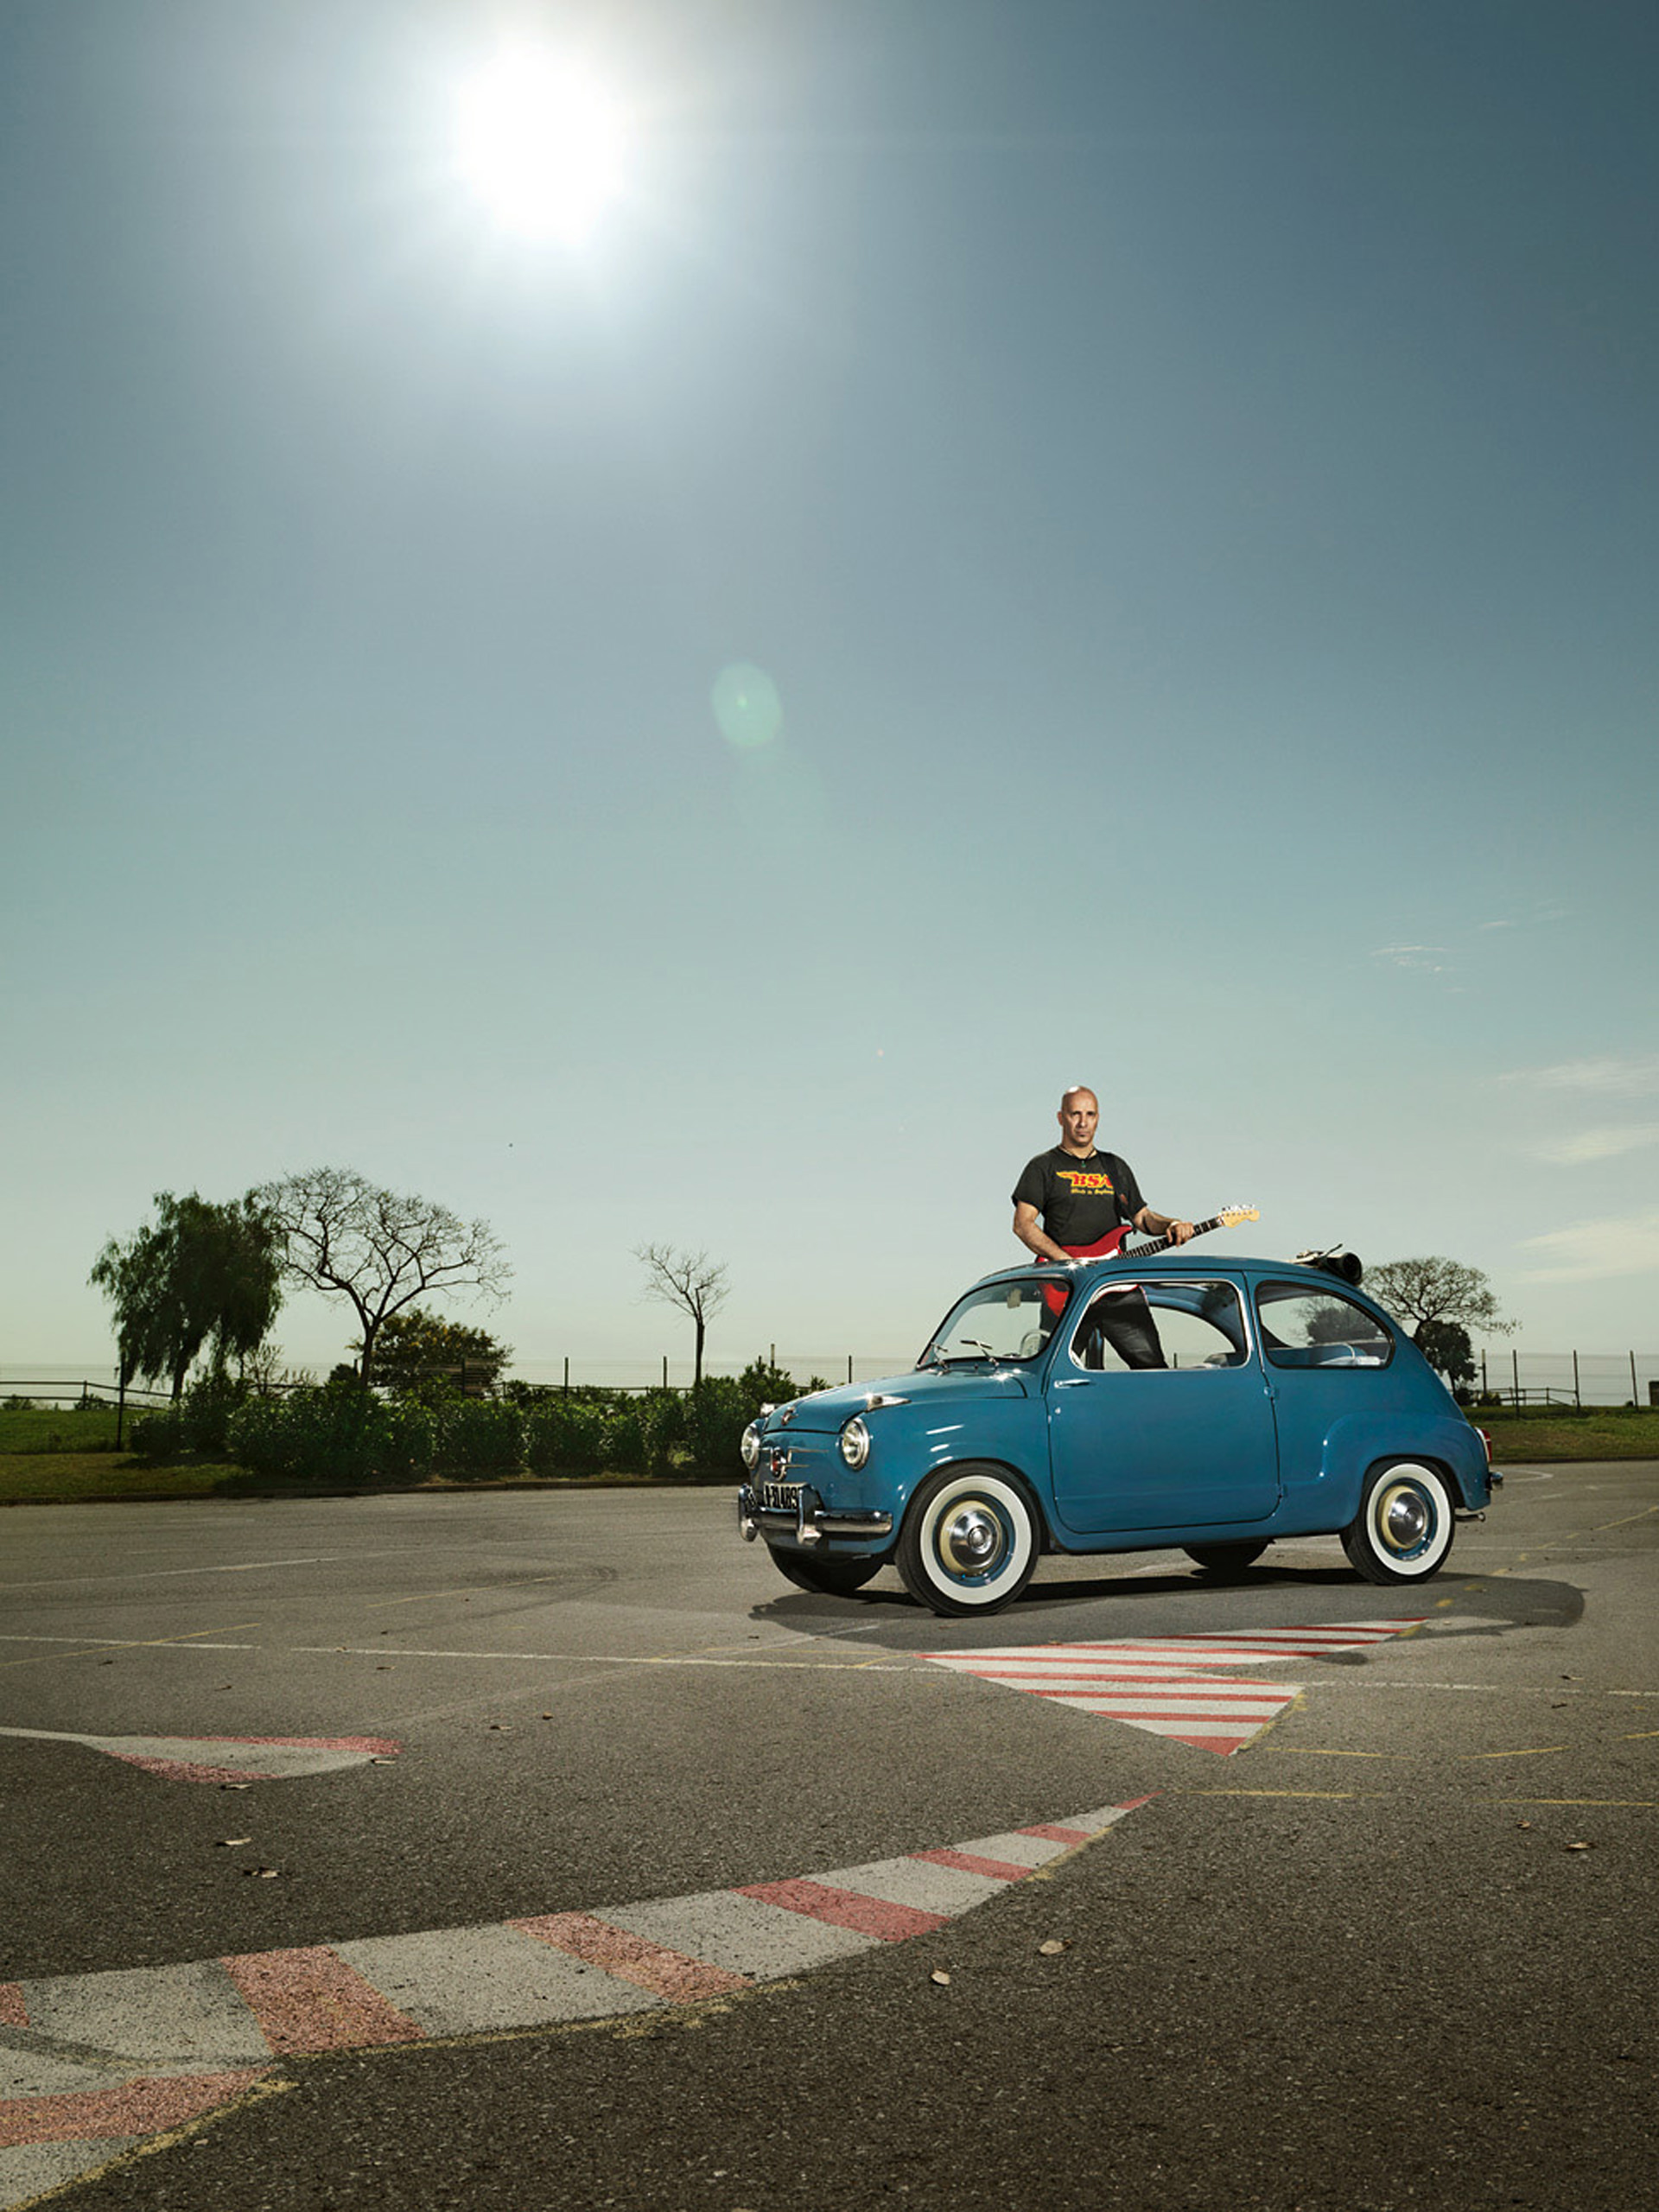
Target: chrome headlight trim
{"type": "Point", "coordinates": [854, 1442]}
{"type": "Point", "coordinates": [749, 1446]}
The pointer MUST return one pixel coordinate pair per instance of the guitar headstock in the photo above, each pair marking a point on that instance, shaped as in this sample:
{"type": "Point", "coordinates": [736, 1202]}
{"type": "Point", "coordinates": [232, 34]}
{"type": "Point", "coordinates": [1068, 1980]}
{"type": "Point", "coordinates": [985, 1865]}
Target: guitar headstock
{"type": "Point", "coordinates": [1230, 1217]}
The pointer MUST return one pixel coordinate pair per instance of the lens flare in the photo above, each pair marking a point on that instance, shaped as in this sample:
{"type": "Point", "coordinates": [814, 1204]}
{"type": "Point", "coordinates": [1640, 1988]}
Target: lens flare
{"type": "Point", "coordinates": [746, 706]}
{"type": "Point", "coordinates": [542, 142]}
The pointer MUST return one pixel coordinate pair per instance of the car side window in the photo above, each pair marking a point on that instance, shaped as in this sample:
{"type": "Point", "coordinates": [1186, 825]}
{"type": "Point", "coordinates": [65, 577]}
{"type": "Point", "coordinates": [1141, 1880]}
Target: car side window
{"type": "Point", "coordinates": [1301, 1327]}
{"type": "Point", "coordinates": [1194, 1325]}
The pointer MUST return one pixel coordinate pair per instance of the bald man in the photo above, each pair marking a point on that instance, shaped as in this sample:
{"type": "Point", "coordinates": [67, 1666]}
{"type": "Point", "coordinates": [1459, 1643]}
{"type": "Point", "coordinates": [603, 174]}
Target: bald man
{"type": "Point", "coordinates": [1073, 1201]}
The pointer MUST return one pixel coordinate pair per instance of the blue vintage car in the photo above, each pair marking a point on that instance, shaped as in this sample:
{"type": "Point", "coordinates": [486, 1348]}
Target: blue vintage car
{"type": "Point", "coordinates": [1289, 1405]}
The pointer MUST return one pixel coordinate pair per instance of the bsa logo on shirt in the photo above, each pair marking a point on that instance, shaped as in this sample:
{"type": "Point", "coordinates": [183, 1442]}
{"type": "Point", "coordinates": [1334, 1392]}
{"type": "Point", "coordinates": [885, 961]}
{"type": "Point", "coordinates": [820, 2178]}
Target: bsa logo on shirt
{"type": "Point", "coordinates": [1081, 1184]}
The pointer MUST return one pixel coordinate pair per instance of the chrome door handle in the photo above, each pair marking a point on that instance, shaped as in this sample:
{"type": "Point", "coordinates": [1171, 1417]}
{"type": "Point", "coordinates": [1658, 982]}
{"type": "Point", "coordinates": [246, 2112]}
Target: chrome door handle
{"type": "Point", "coordinates": [1072, 1383]}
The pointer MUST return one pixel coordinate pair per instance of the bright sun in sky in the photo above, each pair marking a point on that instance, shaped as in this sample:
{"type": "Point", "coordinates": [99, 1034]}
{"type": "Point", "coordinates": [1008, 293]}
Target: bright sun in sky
{"type": "Point", "coordinates": [542, 142]}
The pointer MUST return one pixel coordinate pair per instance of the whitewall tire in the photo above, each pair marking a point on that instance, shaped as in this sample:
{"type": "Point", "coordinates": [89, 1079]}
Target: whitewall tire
{"type": "Point", "coordinates": [969, 1542]}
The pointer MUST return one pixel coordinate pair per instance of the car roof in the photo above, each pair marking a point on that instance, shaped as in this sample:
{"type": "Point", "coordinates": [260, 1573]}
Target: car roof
{"type": "Point", "coordinates": [1188, 1265]}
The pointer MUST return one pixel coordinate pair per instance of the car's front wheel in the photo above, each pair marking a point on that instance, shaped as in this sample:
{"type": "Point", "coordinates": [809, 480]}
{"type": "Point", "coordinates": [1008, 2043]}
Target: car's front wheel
{"type": "Point", "coordinates": [1226, 1559]}
{"type": "Point", "coordinates": [969, 1541]}
{"type": "Point", "coordinates": [825, 1577]}
{"type": "Point", "coordinates": [1404, 1528]}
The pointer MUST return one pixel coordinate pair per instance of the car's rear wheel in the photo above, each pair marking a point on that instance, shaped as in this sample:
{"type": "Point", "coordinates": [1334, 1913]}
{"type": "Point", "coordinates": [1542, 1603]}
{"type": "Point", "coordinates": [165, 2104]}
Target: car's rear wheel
{"type": "Point", "coordinates": [1404, 1528]}
{"type": "Point", "coordinates": [969, 1541]}
{"type": "Point", "coordinates": [1226, 1559]}
{"type": "Point", "coordinates": [825, 1577]}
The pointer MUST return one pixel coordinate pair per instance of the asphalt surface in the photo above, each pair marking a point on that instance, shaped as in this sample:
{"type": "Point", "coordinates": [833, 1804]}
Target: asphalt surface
{"type": "Point", "coordinates": [1397, 1950]}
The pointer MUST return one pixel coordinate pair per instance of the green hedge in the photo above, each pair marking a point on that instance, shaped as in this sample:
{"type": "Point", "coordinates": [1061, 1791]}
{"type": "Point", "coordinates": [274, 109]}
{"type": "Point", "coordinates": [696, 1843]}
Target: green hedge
{"type": "Point", "coordinates": [340, 1434]}
{"type": "Point", "coordinates": [335, 1433]}
{"type": "Point", "coordinates": [587, 1429]}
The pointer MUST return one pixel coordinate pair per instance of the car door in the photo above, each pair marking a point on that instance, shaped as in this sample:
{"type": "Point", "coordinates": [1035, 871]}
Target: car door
{"type": "Point", "coordinates": [1330, 1360]}
{"type": "Point", "coordinates": [1187, 1445]}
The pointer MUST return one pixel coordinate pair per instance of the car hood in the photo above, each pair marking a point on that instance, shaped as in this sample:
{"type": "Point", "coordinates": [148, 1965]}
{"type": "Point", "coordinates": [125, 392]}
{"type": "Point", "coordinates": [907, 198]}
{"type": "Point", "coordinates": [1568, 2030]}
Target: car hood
{"type": "Point", "coordinates": [829, 1410]}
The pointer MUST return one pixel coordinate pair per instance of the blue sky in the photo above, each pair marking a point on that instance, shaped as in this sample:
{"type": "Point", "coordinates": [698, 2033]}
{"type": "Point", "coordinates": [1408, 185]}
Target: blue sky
{"type": "Point", "coordinates": [1185, 472]}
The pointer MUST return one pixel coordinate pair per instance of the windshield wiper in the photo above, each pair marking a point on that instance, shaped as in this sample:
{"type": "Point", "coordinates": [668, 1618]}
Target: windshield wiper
{"type": "Point", "coordinates": [976, 1351]}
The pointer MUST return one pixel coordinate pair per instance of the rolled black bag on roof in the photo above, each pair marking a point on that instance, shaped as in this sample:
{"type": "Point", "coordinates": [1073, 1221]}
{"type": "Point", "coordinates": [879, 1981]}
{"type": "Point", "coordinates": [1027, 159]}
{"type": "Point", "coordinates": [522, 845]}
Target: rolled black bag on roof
{"type": "Point", "coordinates": [1337, 1259]}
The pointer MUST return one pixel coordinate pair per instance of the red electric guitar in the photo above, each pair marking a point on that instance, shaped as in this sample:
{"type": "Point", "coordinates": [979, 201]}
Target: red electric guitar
{"type": "Point", "coordinates": [1111, 1245]}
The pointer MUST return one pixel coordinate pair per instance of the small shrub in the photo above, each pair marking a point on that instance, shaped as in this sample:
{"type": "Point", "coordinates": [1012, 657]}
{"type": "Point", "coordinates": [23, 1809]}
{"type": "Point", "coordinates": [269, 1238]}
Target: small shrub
{"type": "Point", "coordinates": [200, 1423]}
{"type": "Point", "coordinates": [764, 1384]}
{"type": "Point", "coordinates": [477, 1438]}
{"type": "Point", "coordinates": [157, 1436]}
{"type": "Point", "coordinates": [566, 1433]}
{"type": "Point", "coordinates": [717, 1414]}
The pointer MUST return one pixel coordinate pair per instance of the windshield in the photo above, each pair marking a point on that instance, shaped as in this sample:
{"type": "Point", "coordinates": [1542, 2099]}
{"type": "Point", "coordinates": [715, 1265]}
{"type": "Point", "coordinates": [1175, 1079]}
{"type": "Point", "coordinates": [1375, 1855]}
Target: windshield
{"type": "Point", "coordinates": [1000, 1321]}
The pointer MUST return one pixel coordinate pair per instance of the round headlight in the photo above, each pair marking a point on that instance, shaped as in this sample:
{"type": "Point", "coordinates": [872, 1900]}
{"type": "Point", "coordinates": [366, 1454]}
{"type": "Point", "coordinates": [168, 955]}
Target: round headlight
{"type": "Point", "coordinates": [750, 1446]}
{"type": "Point", "coordinates": [855, 1442]}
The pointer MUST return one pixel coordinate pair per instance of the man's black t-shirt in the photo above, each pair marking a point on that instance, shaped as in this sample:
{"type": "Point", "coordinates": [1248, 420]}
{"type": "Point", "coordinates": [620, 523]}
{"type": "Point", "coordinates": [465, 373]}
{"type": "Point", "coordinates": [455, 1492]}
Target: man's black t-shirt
{"type": "Point", "coordinates": [1079, 1200]}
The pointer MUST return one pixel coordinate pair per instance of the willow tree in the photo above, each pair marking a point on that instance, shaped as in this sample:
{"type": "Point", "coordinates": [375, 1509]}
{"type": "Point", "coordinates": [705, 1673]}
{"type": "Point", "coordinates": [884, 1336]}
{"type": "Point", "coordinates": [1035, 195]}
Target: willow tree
{"type": "Point", "coordinates": [200, 1274]}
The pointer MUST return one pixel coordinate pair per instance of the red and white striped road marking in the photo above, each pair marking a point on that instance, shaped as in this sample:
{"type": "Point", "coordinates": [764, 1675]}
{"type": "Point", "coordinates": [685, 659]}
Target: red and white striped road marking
{"type": "Point", "coordinates": [1149, 1681]}
{"type": "Point", "coordinates": [229, 1758]}
{"type": "Point", "coordinates": [109, 2061]}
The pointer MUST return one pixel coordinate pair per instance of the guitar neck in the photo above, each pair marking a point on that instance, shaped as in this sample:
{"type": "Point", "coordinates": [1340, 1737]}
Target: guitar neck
{"type": "Point", "coordinates": [1163, 1243]}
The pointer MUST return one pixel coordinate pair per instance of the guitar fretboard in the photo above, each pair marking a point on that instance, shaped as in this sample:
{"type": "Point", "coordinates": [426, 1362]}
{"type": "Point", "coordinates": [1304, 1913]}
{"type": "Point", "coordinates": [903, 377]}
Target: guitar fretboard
{"type": "Point", "coordinates": [1163, 1243]}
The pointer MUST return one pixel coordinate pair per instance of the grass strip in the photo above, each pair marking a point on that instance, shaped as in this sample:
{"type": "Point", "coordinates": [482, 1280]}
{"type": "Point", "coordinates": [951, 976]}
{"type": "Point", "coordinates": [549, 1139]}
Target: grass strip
{"type": "Point", "coordinates": [37, 1473]}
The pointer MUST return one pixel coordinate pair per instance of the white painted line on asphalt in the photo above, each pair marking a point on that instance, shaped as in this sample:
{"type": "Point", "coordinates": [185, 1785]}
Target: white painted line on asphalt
{"type": "Point", "coordinates": [592, 1658]}
{"type": "Point", "coordinates": [127, 1644]}
{"type": "Point", "coordinates": [388, 1650]}
{"type": "Point", "coordinates": [172, 1574]}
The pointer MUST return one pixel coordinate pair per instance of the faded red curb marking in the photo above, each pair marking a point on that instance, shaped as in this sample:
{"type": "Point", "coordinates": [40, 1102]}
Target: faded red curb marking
{"type": "Point", "coordinates": [310, 1999]}
{"type": "Point", "coordinates": [965, 1862]}
{"type": "Point", "coordinates": [668, 1974]}
{"type": "Point", "coordinates": [167, 1756]}
{"type": "Point", "coordinates": [377, 1746]}
{"type": "Point", "coordinates": [147, 2107]}
{"type": "Point", "coordinates": [383, 1747]}
{"type": "Point", "coordinates": [187, 1770]}
{"type": "Point", "coordinates": [888, 1923]}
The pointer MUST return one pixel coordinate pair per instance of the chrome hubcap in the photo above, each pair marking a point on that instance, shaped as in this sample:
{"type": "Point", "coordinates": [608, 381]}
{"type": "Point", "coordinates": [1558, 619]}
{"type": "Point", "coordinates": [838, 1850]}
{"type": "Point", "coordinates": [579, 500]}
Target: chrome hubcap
{"type": "Point", "coordinates": [970, 1539]}
{"type": "Point", "coordinates": [1404, 1520]}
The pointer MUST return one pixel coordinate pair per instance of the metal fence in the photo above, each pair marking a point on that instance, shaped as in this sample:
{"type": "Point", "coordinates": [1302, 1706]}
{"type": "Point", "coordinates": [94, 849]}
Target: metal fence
{"type": "Point", "coordinates": [1505, 1371]}
{"type": "Point", "coordinates": [48, 1383]}
{"type": "Point", "coordinates": [666, 1374]}
{"type": "Point", "coordinates": [1568, 1378]}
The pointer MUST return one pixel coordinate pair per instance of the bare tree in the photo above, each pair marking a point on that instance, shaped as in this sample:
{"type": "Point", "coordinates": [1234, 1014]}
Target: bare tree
{"type": "Point", "coordinates": [1436, 1289]}
{"type": "Point", "coordinates": [349, 1239]}
{"type": "Point", "coordinates": [692, 1282]}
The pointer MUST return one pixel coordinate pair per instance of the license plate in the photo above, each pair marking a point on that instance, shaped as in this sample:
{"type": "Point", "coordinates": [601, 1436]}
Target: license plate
{"type": "Point", "coordinates": [780, 1497]}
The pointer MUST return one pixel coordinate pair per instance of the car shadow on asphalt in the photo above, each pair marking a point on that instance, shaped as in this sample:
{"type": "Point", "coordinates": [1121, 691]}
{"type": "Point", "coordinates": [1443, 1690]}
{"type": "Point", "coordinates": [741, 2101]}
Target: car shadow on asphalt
{"type": "Point", "coordinates": [1101, 1608]}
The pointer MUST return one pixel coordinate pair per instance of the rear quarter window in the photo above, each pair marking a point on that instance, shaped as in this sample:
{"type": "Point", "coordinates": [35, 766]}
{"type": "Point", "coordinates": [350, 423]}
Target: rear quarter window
{"type": "Point", "coordinates": [1301, 1327]}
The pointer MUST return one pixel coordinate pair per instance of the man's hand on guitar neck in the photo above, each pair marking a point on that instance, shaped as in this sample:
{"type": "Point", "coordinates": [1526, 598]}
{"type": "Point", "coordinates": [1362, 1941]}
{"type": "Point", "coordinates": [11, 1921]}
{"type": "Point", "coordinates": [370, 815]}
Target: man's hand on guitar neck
{"type": "Point", "coordinates": [1162, 1224]}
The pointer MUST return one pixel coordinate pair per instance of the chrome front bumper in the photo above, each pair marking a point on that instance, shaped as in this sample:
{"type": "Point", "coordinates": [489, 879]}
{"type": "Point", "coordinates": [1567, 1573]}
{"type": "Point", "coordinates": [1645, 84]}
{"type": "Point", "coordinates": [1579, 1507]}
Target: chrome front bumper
{"type": "Point", "coordinates": [795, 1509]}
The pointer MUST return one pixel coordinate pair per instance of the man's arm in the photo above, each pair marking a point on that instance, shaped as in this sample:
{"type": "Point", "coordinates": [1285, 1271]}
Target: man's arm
{"type": "Point", "coordinates": [1026, 1227]}
{"type": "Point", "coordinates": [1159, 1224]}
